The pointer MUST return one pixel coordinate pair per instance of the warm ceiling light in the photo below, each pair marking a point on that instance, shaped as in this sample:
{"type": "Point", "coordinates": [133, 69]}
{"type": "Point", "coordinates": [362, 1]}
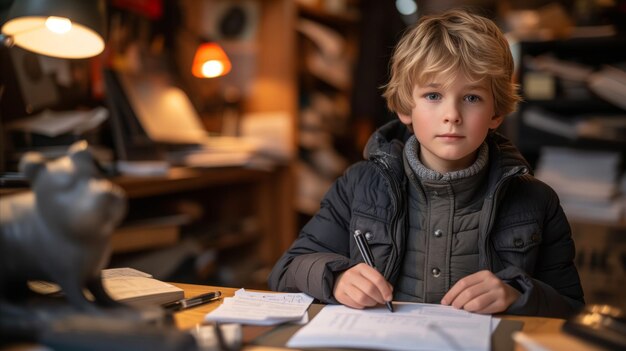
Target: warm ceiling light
{"type": "Point", "coordinates": [57, 28]}
{"type": "Point", "coordinates": [210, 61]}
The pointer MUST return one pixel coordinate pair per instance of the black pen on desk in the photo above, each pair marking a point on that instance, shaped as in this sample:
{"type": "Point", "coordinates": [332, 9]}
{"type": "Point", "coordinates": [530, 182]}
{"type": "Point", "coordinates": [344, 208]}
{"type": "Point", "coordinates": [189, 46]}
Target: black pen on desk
{"type": "Point", "coordinates": [192, 301]}
{"type": "Point", "coordinates": [364, 248]}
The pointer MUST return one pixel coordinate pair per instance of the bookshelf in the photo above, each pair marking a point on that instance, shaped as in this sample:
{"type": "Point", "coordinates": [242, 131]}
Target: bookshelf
{"type": "Point", "coordinates": [327, 42]}
{"type": "Point", "coordinates": [569, 100]}
{"type": "Point", "coordinates": [556, 84]}
{"type": "Point", "coordinates": [239, 214]}
{"type": "Point", "coordinates": [229, 211]}
{"type": "Point", "coordinates": [239, 219]}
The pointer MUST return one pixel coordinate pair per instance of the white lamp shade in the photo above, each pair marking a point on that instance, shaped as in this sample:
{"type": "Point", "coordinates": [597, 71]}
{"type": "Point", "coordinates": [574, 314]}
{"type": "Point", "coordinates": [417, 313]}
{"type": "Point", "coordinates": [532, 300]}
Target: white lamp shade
{"type": "Point", "coordinates": [32, 34]}
{"type": "Point", "coordinates": [27, 27]}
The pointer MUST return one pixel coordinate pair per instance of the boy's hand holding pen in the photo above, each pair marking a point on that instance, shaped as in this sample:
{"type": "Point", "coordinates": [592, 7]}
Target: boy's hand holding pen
{"type": "Point", "coordinates": [364, 248]}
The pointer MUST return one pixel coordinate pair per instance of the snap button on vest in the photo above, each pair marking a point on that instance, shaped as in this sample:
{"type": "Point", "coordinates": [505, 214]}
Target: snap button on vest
{"type": "Point", "coordinates": [436, 272]}
{"type": "Point", "coordinates": [368, 236]}
{"type": "Point", "coordinates": [518, 243]}
{"type": "Point", "coordinates": [438, 233]}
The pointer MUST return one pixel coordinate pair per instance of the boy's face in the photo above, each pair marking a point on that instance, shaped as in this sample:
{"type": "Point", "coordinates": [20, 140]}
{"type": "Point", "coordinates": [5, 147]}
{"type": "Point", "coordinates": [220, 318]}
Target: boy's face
{"type": "Point", "coordinates": [451, 121]}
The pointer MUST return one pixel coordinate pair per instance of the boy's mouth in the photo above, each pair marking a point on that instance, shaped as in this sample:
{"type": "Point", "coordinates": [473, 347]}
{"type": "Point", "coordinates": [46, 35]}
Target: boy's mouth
{"type": "Point", "coordinates": [451, 136]}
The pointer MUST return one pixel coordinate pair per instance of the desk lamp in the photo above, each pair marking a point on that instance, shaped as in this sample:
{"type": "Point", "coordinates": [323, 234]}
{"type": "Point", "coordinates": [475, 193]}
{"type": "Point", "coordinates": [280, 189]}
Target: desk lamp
{"type": "Point", "coordinates": [59, 28]}
{"type": "Point", "coordinates": [70, 29]}
{"type": "Point", "coordinates": [210, 61]}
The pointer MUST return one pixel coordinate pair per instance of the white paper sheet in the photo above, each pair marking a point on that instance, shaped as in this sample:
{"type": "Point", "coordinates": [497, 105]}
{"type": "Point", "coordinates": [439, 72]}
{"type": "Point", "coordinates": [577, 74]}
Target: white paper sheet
{"type": "Point", "coordinates": [55, 123]}
{"type": "Point", "coordinates": [261, 308]}
{"type": "Point", "coordinates": [410, 327]}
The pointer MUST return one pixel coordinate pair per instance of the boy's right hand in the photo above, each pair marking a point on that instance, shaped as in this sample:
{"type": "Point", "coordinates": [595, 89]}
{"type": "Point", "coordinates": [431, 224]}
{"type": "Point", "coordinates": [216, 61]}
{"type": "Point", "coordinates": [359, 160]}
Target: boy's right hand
{"type": "Point", "coordinates": [362, 286]}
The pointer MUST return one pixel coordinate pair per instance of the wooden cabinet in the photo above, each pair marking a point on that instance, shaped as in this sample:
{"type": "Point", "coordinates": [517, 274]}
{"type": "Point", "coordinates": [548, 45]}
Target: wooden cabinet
{"type": "Point", "coordinates": [241, 216]}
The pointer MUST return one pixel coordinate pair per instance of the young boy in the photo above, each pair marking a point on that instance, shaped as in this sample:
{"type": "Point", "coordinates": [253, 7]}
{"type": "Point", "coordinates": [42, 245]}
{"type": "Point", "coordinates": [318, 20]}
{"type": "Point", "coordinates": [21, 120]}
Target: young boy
{"type": "Point", "coordinates": [448, 206]}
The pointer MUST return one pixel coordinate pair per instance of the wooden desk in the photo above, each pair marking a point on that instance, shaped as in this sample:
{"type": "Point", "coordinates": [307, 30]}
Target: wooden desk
{"type": "Point", "coordinates": [542, 328]}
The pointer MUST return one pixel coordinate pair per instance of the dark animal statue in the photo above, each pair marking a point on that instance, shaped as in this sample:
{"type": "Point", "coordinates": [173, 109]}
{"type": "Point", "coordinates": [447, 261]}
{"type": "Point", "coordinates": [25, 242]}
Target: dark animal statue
{"type": "Point", "coordinates": [60, 231]}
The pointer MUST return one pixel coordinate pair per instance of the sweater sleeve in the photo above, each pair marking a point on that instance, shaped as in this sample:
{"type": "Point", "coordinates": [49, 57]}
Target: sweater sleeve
{"type": "Point", "coordinates": [321, 249]}
{"type": "Point", "coordinates": [553, 289]}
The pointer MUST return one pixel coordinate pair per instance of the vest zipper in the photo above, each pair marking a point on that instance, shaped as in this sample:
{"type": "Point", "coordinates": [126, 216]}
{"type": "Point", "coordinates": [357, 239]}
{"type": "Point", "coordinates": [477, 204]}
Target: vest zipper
{"type": "Point", "coordinates": [518, 171]}
{"type": "Point", "coordinates": [396, 195]}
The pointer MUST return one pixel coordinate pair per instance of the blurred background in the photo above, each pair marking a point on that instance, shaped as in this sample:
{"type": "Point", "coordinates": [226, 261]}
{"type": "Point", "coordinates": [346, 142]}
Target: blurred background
{"type": "Point", "coordinates": [226, 121]}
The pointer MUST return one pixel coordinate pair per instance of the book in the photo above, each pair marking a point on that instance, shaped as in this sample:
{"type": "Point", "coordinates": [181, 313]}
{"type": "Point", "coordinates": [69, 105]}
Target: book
{"type": "Point", "coordinates": [126, 285]}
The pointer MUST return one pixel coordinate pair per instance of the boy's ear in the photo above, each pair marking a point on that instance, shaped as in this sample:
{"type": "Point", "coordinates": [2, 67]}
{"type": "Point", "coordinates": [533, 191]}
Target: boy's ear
{"type": "Point", "coordinates": [495, 122]}
{"type": "Point", "coordinates": [406, 119]}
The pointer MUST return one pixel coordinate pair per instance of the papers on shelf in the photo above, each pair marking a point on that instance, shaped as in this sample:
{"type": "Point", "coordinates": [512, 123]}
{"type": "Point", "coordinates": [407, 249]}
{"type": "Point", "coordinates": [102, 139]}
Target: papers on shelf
{"type": "Point", "coordinates": [54, 123]}
{"type": "Point", "coordinates": [561, 68]}
{"type": "Point", "coordinates": [586, 182]}
{"type": "Point", "coordinates": [411, 327]}
{"type": "Point", "coordinates": [164, 111]}
{"type": "Point", "coordinates": [143, 168]}
{"type": "Point", "coordinates": [607, 127]}
{"type": "Point", "coordinates": [258, 308]}
{"type": "Point", "coordinates": [610, 84]}
{"type": "Point", "coordinates": [327, 62]}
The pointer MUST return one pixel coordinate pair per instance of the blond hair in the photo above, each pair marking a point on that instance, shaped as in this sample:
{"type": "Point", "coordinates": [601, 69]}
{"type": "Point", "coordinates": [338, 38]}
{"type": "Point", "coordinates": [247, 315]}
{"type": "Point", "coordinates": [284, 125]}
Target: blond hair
{"type": "Point", "coordinates": [441, 45]}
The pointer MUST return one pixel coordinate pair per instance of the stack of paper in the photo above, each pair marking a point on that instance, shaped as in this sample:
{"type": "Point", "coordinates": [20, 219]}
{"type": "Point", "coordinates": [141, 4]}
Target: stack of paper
{"type": "Point", "coordinates": [586, 182]}
{"type": "Point", "coordinates": [329, 61]}
{"type": "Point", "coordinates": [601, 127]}
{"type": "Point", "coordinates": [412, 326]}
{"type": "Point", "coordinates": [265, 308]}
{"type": "Point", "coordinates": [610, 84]}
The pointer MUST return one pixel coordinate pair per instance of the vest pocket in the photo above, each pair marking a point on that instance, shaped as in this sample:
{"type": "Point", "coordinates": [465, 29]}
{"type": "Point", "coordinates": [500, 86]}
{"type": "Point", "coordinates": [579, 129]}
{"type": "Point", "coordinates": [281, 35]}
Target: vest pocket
{"type": "Point", "coordinates": [518, 244]}
{"type": "Point", "coordinates": [519, 237]}
{"type": "Point", "coordinates": [377, 236]}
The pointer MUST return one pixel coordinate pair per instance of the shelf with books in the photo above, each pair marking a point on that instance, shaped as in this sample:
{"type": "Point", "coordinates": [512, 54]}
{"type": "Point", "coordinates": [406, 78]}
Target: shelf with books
{"type": "Point", "coordinates": [327, 40]}
{"type": "Point", "coordinates": [571, 126]}
{"type": "Point", "coordinates": [569, 84]}
{"type": "Point", "coordinates": [220, 211]}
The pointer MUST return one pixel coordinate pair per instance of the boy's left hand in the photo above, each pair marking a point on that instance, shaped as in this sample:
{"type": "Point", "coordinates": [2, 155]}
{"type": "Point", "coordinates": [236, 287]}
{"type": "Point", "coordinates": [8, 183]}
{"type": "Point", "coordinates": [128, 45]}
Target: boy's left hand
{"type": "Point", "coordinates": [481, 292]}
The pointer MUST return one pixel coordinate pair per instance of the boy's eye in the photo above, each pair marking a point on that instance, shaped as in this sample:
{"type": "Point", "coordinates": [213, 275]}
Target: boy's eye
{"type": "Point", "coordinates": [472, 98]}
{"type": "Point", "coordinates": [432, 96]}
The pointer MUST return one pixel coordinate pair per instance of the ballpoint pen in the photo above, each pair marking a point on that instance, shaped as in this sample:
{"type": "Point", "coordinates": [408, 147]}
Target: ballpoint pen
{"type": "Point", "coordinates": [192, 301]}
{"type": "Point", "coordinates": [364, 248]}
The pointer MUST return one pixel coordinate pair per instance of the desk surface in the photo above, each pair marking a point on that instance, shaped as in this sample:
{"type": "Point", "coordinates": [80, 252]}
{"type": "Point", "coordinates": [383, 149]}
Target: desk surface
{"type": "Point", "coordinates": [533, 326]}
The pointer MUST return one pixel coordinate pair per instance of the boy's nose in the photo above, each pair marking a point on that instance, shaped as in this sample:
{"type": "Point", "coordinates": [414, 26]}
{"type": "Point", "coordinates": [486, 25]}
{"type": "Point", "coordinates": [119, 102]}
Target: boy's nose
{"type": "Point", "coordinates": [453, 115]}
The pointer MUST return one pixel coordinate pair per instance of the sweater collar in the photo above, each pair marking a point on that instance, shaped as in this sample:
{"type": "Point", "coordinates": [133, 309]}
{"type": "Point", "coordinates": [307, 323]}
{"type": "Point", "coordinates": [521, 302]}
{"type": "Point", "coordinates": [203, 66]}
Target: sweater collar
{"type": "Point", "coordinates": [411, 154]}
